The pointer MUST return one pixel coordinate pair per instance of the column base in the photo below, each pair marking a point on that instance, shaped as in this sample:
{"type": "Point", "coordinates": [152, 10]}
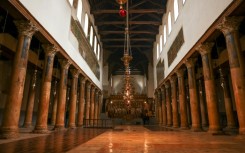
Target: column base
{"type": "Point", "coordinates": [169, 125]}
{"type": "Point", "coordinates": [196, 129]}
{"type": "Point", "coordinates": [72, 126]}
{"type": "Point", "coordinates": [41, 130]}
{"type": "Point", "coordinates": [79, 125]}
{"type": "Point", "coordinates": [184, 128]}
{"type": "Point", "coordinates": [242, 131]}
{"type": "Point", "coordinates": [27, 125]}
{"type": "Point", "coordinates": [175, 126]}
{"type": "Point", "coordinates": [9, 133]}
{"type": "Point", "coordinates": [214, 130]}
{"type": "Point", "coordinates": [59, 128]}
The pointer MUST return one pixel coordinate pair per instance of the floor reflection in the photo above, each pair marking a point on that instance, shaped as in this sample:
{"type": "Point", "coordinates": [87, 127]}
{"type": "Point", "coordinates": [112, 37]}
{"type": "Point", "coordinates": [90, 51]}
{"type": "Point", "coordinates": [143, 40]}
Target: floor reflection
{"type": "Point", "coordinates": [56, 142]}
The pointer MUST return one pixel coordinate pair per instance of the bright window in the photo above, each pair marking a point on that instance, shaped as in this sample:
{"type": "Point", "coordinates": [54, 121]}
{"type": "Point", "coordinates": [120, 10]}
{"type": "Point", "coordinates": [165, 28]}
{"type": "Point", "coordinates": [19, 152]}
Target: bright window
{"type": "Point", "coordinates": [71, 2]}
{"type": "Point", "coordinates": [79, 10]}
{"type": "Point", "coordinates": [95, 44]}
{"type": "Point", "coordinates": [157, 50]}
{"type": "Point", "coordinates": [176, 10]}
{"type": "Point", "coordinates": [98, 54]}
{"type": "Point", "coordinates": [169, 23]}
{"type": "Point", "coordinates": [164, 34]}
{"type": "Point", "coordinates": [91, 36]}
{"type": "Point", "coordinates": [183, 1]}
{"type": "Point", "coordinates": [160, 43]}
{"type": "Point", "coordinates": [86, 25]}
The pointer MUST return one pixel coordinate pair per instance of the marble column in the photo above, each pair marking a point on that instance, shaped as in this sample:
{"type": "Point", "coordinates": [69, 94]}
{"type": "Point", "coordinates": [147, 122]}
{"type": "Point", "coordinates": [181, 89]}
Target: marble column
{"type": "Point", "coordinates": [81, 103]}
{"type": "Point", "coordinates": [202, 104]}
{"type": "Point", "coordinates": [73, 101]}
{"type": "Point", "coordinates": [194, 104]}
{"type": "Point", "coordinates": [100, 104]}
{"type": "Point", "coordinates": [88, 87]}
{"type": "Point", "coordinates": [159, 97]}
{"type": "Point", "coordinates": [211, 97]}
{"type": "Point", "coordinates": [31, 101]}
{"type": "Point", "coordinates": [54, 108]}
{"type": "Point", "coordinates": [91, 112]}
{"type": "Point", "coordinates": [164, 109]}
{"type": "Point", "coordinates": [229, 26]}
{"type": "Point", "coordinates": [231, 124]}
{"type": "Point", "coordinates": [10, 120]}
{"type": "Point", "coordinates": [43, 105]}
{"type": "Point", "coordinates": [173, 81]}
{"type": "Point", "coordinates": [96, 103]}
{"type": "Point", "coordinates": [182, 99]}
{"type": "Point", "coordinates": [60, 117]}
{"type": "Point", "coordinates": [169, 105]}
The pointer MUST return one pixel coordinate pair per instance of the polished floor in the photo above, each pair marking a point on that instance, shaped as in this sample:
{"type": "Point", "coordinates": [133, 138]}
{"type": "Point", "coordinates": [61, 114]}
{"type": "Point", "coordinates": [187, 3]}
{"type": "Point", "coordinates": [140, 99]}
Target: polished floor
{"type": "Point", "coordinates": [128, 139]}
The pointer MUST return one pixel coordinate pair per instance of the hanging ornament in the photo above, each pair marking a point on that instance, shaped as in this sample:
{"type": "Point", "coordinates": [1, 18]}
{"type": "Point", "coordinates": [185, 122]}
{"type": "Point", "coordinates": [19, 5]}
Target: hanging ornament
{"type": "Point", "coordinates": [121, 1]}
{"type": "Point", "coordinates": [122, 12]}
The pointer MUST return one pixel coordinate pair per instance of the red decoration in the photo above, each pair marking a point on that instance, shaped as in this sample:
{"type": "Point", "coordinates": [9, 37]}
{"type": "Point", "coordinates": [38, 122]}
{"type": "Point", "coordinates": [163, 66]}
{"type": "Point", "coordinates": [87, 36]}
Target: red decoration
{"type": "Point", "coordinates": [122, 12]}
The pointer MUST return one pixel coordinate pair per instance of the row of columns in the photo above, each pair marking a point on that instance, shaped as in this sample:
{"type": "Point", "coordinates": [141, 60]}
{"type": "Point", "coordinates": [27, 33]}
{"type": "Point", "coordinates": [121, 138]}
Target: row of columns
{"type": "Point", "coordinates": [169, 116]}
{"type": "Point", "coordinates": [9, 128]}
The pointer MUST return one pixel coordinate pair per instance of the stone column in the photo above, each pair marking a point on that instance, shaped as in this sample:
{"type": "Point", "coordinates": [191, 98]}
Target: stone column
{"type": "Point", "coordinates": [211, 97]}
{"type": "Point", "coordinates": [159, 97]}
{"type": "Point", "coordinates": [202, 104]}
{"type": "Point", "coordinates": [100, 104]}
{"type": "Point", "coordinates": [182, 99]}
{"type": "Point", "coordinates": [169, 105]}
{"type": "Point", "coordinates": [31, 101]}
{"type": "Point", "coordinates": [96, 107]}
{"type": "Point", "coordinates": [60, 123]}
{"type": "Point", "coordinates": [195, 107]}
{"type": "Point", "coordinates": [81, 103]}
{"type": "Point", "coordinates": [73, 102]}
{"type": "Point", "coordinates": [156, 106]}
{"type": "Point", "coordinates": [164, 110]}
{"type": "Point", "coordinates": [43, 105]}
{"type": "Point", "coordinates": [173, 81]}
{"type": "Point", "coordinates": [91, 113]}
{"type": "Point", "coordinates": [229, 26]}
{"type": "Point", "coordinates": [88, 87]}
{"type": "Point", "coordinates": [10, 120]}
{"type": "Point", "coordinates": [231, 124]}
{"type": "Point", "coordinates": [54, 109]}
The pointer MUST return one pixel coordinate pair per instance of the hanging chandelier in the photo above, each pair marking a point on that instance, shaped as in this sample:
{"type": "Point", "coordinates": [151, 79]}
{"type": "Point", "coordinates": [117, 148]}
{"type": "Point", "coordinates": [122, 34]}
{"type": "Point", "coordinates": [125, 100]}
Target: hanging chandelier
{"type": "Point", "coordinates": [127, 58]}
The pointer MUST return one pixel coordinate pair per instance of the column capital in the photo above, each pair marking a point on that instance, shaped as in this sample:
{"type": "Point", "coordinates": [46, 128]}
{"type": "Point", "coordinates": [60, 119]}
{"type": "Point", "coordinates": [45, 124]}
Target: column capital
{"type": "Point", "coordinates": [162, 88]}
{"type": "Point", "coordinates": [93, 88]}
{"type": "Point", "coordinates": [83, 79]}
{"type": "Point", "coordinates": [173, 79]}
{"type": "Point", "coordinates": [64, 63]}
{"type": "Point", "coordinates": [230, 24]}
{"type": "Point", "coordinates": [88, 85]}
{"type": "Point", "coordinates": [26, 28]}
{"type": "Point", "coordinates": [190, 62]}
{"type": "Point", "coordinates": [205, 48]}
{"type": "Point", "coordinates": [50, 49]}
{"type": "Point", "coordinates": [180, 72]}
{"type": "Point", "coordinates": [75, 73]}
{"type": "Point", "coordinates": [167, 85]}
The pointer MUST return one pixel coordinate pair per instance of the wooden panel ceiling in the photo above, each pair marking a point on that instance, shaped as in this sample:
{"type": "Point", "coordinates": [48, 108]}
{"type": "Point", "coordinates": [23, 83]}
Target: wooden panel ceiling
{"type": "Point", "coordinates": [145, 17]}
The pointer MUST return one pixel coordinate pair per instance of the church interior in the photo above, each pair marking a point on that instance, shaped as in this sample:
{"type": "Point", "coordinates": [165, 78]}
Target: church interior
{"type": "Point", "coordinates": [103, 76]}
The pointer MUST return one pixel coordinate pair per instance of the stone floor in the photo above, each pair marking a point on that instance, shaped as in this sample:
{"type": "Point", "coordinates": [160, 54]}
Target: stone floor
{"type": "Point", "coordinates": [127, 139]}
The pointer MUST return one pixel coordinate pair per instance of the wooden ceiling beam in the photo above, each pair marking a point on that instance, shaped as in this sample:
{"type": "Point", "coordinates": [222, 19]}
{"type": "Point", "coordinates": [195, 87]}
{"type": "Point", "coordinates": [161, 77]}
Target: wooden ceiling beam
{"type": "Point", "coordinates": [130, 32]}
{"type": "Point", "coordinates": [132, 46]}
{"type": "Point", "coordinates": [132, 39]}
{"type": "Point", "coordinates": [144, 11]}
{"type": "Point", "coordinates": [157, 23]}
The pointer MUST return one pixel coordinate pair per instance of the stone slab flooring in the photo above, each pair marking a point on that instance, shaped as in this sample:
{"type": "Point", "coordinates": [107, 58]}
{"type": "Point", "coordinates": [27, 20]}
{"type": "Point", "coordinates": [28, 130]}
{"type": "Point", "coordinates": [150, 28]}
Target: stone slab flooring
{"type": "Point", "coordinates": [126, 139]}
{"type": "Point", "coordinates": [138, 139]}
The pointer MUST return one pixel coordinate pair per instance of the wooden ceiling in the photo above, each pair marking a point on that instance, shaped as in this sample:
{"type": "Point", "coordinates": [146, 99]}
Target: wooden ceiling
{"type": "Point", "coordinates": [145, 17]}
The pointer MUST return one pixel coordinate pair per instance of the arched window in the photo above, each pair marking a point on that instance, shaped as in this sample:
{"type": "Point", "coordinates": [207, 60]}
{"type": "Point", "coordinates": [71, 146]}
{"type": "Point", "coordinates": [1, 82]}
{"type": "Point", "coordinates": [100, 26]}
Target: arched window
{"type": "Point", "coordinates": [160, 43]}
{"type": "Point", "coordinates": [91, 36]}
{"type": "Point", "coordinates": [79, 10]}
{"type": "Point", "coordinates": [86, 25]}
{"type": "Point", "coordinates": [164, 34]}
{"type": "Point", "coordinates": [71, 2]}
{"type": "Point", "coordinates": [169, 23]}
{"type": "Point", "coordinates": [95, 44]}
{"type": "Point", "coordinates": [183, 1]}
{"type": "Point", "coordinates": [98, 54]}
{"type": "Point", "coordinates": [176, 10]}
{"type": "Point", "coordinates": [157, 50]}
